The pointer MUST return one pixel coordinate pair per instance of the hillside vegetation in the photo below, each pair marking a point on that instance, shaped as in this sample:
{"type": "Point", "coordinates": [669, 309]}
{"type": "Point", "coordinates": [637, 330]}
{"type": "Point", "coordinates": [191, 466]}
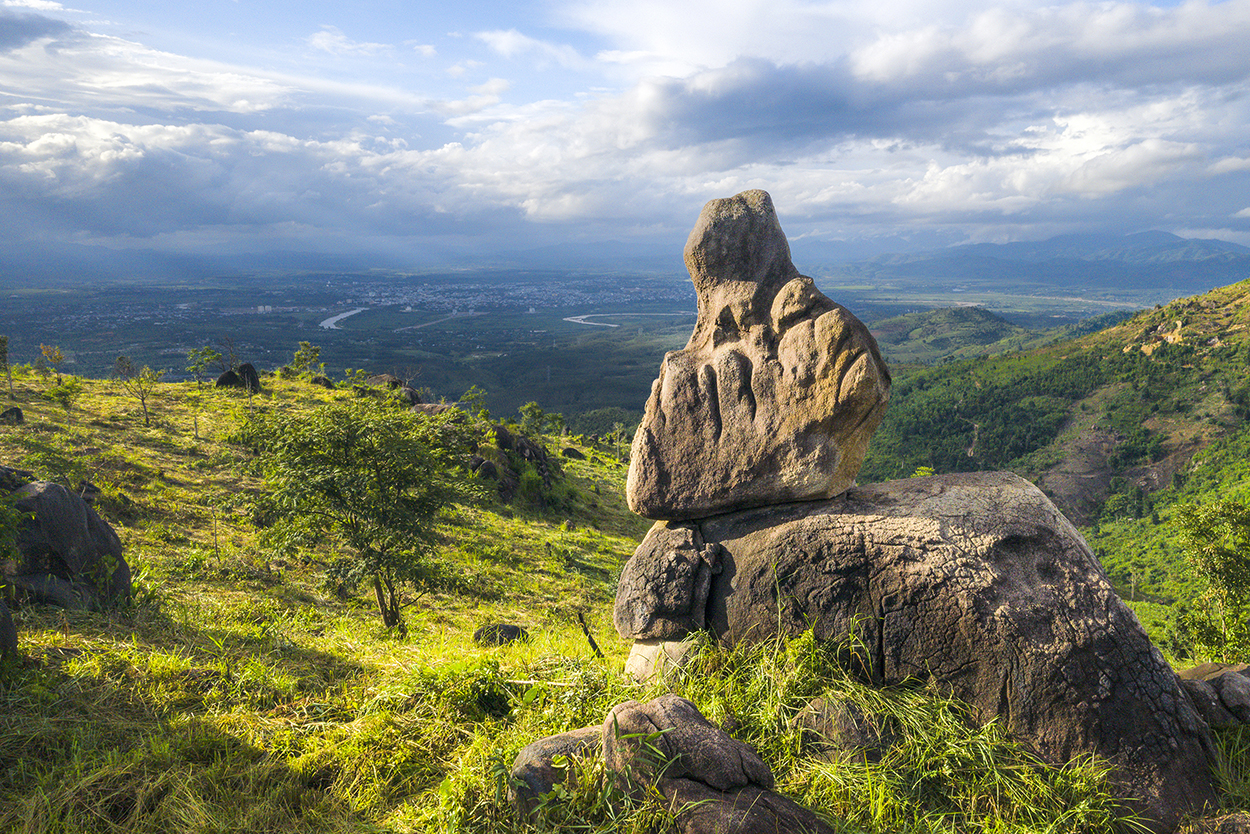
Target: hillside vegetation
{"type": "Point", "coordinates": [1117, 426]}
{"type": "Point", "coordinates": [249, 691]}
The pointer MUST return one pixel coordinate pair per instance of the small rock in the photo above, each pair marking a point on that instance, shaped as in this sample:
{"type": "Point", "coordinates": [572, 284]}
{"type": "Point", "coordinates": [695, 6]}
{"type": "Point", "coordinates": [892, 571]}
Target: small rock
{"type": "Point", "coordinates": [649, 658]}
{"type": "Point", "coordinates": [500, 634]}
{"type": "Point", "coordinates": [1208, 704]}
{"type": "Point", "coordinates": [323, 382]}
{"type": "Point", "coordinates": [572, 454]}
{"type": "Point", "coordinates": [840, 731]}
{"type": "Point", "coordinates": [431, 409]}
{"type": "Point", "coordinates": [385, 381]}
{"type": "Point", "coordinates": [12, 416]}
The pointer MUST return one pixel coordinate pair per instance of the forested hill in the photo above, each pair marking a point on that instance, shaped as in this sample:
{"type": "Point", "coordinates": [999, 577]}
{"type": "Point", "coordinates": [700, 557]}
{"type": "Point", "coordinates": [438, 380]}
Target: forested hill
{"type": "Point", "coordinates": [1115, 426]}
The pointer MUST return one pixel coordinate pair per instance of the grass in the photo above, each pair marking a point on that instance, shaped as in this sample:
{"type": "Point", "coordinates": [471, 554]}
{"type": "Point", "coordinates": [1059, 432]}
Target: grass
{"type": "Point", "coordinates": [242, 692]}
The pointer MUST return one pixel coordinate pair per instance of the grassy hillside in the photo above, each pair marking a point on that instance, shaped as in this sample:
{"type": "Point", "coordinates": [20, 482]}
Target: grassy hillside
{"type": "Point", "coordinates": [1118, 426]}
{"type": "Point", "coordinates": [244, 692]}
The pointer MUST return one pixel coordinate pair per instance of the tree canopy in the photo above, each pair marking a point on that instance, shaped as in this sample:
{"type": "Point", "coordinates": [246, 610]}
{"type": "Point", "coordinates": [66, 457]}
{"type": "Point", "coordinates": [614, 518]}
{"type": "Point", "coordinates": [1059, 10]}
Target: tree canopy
{"type": "Point", "coordinates": [368, 474]}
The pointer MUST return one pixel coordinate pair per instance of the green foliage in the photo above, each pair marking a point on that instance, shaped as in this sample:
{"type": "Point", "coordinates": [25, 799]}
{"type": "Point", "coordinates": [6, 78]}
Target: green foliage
{"type": "Point", "coordinates": [305, 360]}
{"type": "Point", "coordinates": [199, 360]}
{"type": "Point", "coordinates": [65, 393]}
{"type": "Point", "coordinates": [138, 382]}
{"type": "Point", "coordinates": [363, 472]}
{"type": "Point", "coordinates": [53, 356]}
{"type": "Point", "coordinates": [533, 419]}
{"type": "Point", "coordinates": [1217, 545]}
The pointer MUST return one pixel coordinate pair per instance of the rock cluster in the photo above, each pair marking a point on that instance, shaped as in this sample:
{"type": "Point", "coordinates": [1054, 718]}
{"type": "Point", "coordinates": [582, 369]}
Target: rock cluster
{"type": "Point", "coordinates": [747, 456]}
{"type": "Point", "coordinates": [710, 781]}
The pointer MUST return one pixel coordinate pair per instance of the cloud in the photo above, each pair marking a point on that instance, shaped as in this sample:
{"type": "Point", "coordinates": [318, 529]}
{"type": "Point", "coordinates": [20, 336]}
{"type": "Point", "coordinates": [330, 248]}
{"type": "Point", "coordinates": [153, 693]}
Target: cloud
{"type": "Point", "coordinates": [331, 39]}
{"type": "Point", "coordinates": [513, 44]}
{"type": "Point", "coordinates": [18, 30]}
{"type": "Point", "coordinates": [861, 118]}
{"type": "Point", "coordinates": [39, 5]}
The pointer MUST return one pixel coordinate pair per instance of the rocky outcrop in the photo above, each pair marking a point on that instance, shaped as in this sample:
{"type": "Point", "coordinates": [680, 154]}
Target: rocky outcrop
{"type": "Point", "coordinates": [712, 783]}
{"type": "Point", "coordinates": [778, 391]}
{"type": "Point", "coordinates": [1220, 692]}
{"type": "Point", "coordinates": [975, 581]}
{"type": "Point", "coordinates": [69, 556]}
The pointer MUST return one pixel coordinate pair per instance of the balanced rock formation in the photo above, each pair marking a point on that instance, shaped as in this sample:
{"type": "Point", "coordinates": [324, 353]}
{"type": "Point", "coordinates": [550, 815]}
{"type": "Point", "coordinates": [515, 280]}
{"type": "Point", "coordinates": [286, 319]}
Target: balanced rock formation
{"type": "Point", "coordinates": [69, 556]}
{"type": "Point", "coordinates": [974, 580]}
{"type": "Point", "coordinates": [778, 391]}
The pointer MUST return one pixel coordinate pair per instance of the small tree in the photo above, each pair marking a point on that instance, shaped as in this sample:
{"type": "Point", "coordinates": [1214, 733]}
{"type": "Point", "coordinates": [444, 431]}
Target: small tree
{"type": "Point", "coordinates": [4, 360]}
{"type": "Point", "coordinates": [367, 473]}
{"type": "Point", "coordinates": [533, 418]}
{"type": "Point", "coordinates": [198, 361]}
{"type": "Point", "coordinates": [54, 357]}
{"type": "Point", "coordinates": [305, 360]}
{"type": "Point", "coordinates": [1216, 538]}
{"type": "Point", "coordinates": [138, 382]}
{"type": "Point", "coordinates": [65, 393]}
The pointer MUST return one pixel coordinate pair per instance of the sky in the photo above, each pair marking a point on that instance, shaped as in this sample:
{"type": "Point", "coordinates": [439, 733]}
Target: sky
{"type": "Point", "coordinates": [401, 127]}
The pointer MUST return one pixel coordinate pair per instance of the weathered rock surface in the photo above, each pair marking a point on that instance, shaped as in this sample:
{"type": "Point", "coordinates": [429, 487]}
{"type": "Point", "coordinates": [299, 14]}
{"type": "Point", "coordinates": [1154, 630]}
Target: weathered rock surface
{"type": "Point", "coordinates": [664, 595]}
{"type": "Point", "coordinates": [500, 634]}
{"type": "Point", "coordinates": [669, 737]}
{"type": "Point", "coordinates": [713, 783]}
{"type": "Point", "coordinates": [12, 416]}
{"type": "Point", "coordinates": [535, 772]}
{"type": "Point", "coordinates": [69, 556]}
{"type": "Point", "coordinates": [778, 391]}
{"type": "Point", "coordinates": [840, 731]}
{"type": "Point", "coordinates": [976, 581]}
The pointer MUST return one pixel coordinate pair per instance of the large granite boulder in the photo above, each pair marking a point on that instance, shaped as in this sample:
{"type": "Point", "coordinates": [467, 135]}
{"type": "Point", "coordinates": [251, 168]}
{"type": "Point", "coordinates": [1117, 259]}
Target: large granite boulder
{"type": "Point", "coordinates": [69, 556]}
{"type": "Point", "coordinates": [778, 391]}
{"type": "Point", "coordinates": [974, 580]}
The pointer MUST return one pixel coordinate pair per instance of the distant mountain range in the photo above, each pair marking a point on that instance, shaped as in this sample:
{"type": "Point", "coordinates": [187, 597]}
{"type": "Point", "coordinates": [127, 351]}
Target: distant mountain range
{"type": "Point", "coordinates": [1148, 259]}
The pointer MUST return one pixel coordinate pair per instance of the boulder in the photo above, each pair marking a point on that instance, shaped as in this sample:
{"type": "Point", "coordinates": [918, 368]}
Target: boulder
{"type": "Point", "coordinates": [500, 634]}
{"type": "Point", "coordinates": [700, 809]}
{"type": "Point", "coordinates": [248, 378]}
{"type": "Point", "coordinates": [68, 555]}
{"type": "Point", "coordinates": [228, 379]}
{"type": "Point", "coordinates": [663, 595]}
{"type": "Point", "coordinates": [975, 581]}
{"type": "Point", "coordinates": [8, 636]}
{"type": "Point", "coordinates": [713, 783]}
{"type": "Point", "coordinates": [778, 391]}
{"type": "Point", "coordinates": [12, 416]}
{"type": "Point", "coordinates": [323, 382]}
{"type": "Point", "coordinates": [572, 453]}
{"type": "Point", "coordinates": [670, 738]}
{"type": "Point", "coordinates": [538, 768]}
